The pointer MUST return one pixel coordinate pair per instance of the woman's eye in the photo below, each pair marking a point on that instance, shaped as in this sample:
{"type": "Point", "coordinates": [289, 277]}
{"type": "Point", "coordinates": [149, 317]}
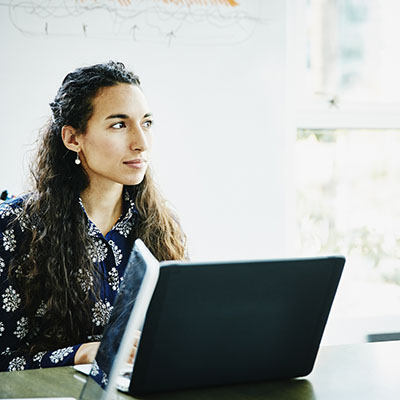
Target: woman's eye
{"type": "Point", "coordinates": [118, 125]}
{"type": "Point", "coordinates": [148, 123]}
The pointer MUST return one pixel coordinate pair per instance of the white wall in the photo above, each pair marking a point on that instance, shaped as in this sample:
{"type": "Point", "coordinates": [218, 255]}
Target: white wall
{"type": "Point", "coordinates": [221, 124]}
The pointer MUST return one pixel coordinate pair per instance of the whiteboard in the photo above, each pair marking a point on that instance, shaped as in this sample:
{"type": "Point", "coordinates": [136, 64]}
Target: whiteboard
{"type": "Point", "coordinates": [214, 75]}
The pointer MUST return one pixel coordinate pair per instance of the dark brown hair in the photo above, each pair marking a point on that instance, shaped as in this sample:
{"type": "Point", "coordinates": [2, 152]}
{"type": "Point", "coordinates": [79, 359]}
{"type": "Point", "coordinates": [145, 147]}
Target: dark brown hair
{"type": "Point", "coordinates": [51, 263]}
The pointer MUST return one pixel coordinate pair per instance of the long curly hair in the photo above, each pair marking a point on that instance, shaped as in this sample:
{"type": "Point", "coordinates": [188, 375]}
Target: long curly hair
{"type": "Point", "coordinates": [53, 259]}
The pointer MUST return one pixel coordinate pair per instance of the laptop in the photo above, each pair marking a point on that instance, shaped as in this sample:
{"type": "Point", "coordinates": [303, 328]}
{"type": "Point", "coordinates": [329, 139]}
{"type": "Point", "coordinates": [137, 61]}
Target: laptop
{"type": "Point", "coordinates": [211, 324]}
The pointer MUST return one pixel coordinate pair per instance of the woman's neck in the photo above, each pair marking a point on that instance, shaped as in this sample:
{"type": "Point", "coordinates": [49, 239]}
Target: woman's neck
{"type": "Point", "coordinates": [103, 205]}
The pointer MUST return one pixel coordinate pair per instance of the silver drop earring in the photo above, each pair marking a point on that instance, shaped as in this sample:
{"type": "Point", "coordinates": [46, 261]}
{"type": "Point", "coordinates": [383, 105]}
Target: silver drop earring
{"type": "Point", "coordinates": [77, 159]}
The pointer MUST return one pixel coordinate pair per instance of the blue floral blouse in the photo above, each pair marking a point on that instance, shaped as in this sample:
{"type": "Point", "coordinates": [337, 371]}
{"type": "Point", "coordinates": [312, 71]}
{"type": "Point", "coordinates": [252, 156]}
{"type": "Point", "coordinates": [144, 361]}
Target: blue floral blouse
{"type": "Point", "coordinates": [110, 254]}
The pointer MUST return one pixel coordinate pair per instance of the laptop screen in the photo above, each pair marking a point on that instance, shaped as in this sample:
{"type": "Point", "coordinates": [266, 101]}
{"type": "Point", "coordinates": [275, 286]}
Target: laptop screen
{"type": "Point", "coordinates": [126, 319]}
{"type": "Point", "coordinates": [223, 323]}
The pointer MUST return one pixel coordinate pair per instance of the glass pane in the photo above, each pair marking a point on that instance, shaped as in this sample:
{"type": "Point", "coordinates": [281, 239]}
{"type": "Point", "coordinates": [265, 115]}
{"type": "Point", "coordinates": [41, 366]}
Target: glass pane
{"type": "Point", "coordinates": [348, 202]}
{"type": "Point", "coordinates": [352, 49]}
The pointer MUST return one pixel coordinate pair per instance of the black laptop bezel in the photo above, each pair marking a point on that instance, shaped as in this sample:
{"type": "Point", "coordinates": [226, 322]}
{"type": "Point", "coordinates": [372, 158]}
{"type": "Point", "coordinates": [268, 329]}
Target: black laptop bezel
{"type": "Point", "coordinates": [222, 323]}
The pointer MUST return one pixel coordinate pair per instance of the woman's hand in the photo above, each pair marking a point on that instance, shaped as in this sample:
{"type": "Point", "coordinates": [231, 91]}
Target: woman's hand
{"type": "Point", "coordinates": [86, 353]}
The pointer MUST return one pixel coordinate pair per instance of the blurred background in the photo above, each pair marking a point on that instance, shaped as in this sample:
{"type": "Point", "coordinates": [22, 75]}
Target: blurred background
{"type": "Point", "coordinates": [277, 125]}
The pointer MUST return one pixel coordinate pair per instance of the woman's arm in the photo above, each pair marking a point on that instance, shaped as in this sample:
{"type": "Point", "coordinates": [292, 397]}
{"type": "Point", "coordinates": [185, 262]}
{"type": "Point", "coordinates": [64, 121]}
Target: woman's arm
{"type": "Point", "coordinates": [14, 331]}
{"type": "Point", "coordinates": [12, 360]}
{"type": "Point", "coordinates": [14, 326]}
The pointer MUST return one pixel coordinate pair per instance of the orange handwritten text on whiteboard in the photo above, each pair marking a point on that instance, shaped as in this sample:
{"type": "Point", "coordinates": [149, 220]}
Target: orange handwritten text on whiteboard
{"type": "Point", "coordinates": [126, 3]}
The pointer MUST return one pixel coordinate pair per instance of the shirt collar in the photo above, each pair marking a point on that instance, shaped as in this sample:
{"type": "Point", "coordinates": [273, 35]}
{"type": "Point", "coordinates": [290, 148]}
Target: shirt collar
{"type": "Point", "coordinates": [129, 212]}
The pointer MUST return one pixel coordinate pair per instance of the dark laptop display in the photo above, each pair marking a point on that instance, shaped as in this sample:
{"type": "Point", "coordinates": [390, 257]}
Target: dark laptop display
{"type": "Point", "coordinates": [223, 323]}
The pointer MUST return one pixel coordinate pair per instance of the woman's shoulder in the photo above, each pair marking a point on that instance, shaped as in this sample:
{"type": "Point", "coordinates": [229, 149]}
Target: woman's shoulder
{"type": "Point", "coordinates": [11, 210]}
{"type": "Point", "coordinates": [13, 206]}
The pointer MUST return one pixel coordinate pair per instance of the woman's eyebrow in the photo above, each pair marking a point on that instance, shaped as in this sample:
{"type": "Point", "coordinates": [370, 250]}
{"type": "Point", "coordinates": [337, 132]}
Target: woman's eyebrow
{"type": "Point", "coordinates": [119, 116]}
{"type": "Point", "coordinates": [124, 116]}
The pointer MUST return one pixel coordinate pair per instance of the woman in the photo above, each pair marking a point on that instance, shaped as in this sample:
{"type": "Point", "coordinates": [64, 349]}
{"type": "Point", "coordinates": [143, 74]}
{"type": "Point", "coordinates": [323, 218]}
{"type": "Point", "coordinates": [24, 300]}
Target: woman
{"type": "Point", "coordinates": [64, 247]}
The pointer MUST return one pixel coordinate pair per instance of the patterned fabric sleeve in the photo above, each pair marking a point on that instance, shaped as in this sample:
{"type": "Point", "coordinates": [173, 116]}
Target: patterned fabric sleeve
{"type": "Point", "coordinates": [13, 324]}
{"type": "Point", "coordinates": [14, 328]}
{"type": "Point", "coordinates": [15, 361]}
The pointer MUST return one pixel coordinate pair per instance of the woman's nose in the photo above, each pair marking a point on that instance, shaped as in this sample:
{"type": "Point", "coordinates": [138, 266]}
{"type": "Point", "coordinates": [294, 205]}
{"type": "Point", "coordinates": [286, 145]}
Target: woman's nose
{"type": "Point", "coordinates": [139, 140]}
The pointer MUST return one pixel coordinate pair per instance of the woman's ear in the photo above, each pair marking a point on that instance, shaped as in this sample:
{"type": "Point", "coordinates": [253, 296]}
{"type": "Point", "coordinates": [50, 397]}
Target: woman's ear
{"type": "Point", "coordinates": [69, 137]}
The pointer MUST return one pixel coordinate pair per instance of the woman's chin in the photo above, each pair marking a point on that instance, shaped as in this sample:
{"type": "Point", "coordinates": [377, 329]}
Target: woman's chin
{"type": "Point", "coordinates": [132, 181]}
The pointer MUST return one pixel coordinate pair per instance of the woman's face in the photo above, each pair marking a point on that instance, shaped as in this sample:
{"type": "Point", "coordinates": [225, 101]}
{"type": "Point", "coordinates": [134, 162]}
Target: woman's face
{"type": "Point", "coordinates": [115, 147]}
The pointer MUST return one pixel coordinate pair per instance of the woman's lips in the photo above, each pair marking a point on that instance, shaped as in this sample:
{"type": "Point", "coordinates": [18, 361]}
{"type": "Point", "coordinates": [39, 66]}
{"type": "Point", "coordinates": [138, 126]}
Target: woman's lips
{"type": "Point", "coordinates": [137, 163]}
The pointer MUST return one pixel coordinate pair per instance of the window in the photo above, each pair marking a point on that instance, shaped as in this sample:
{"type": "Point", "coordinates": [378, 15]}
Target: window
{"type": "Point", "coordinates": [348, 202]}
{"type": "Point", "coordinates": [347, 168]}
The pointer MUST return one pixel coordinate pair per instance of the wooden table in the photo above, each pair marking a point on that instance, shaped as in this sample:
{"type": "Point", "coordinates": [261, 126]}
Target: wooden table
{"type": "Point", "coordinates": [363, 371]}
